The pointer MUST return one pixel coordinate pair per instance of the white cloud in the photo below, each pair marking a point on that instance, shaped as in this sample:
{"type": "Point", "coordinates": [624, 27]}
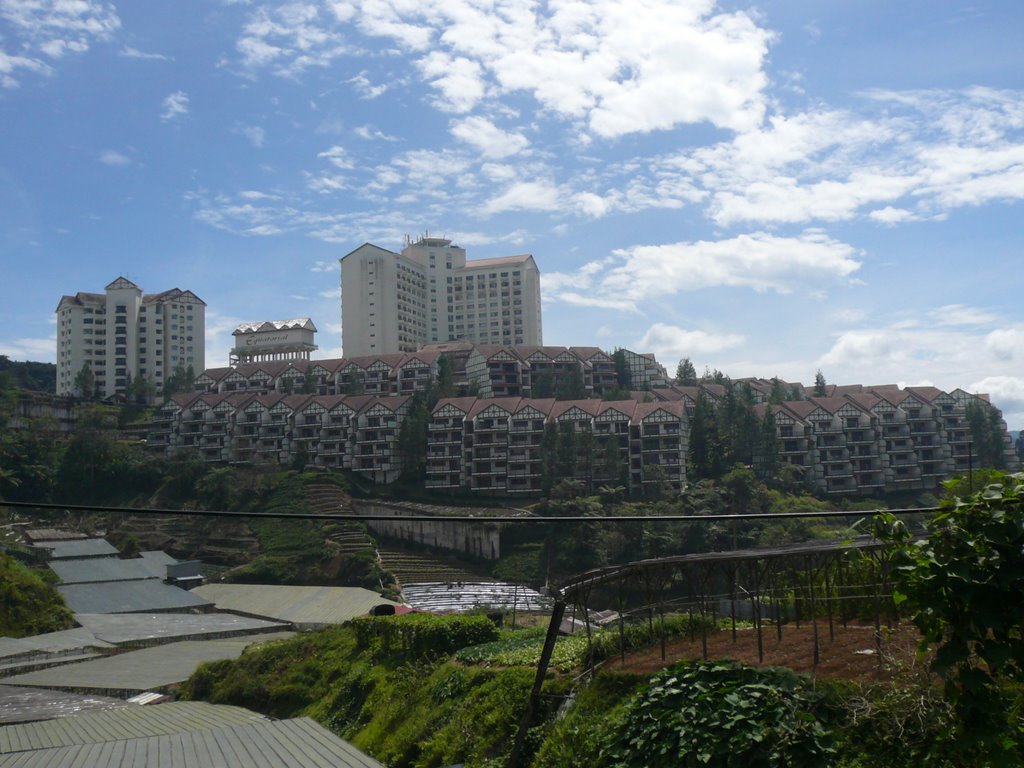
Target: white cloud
{"type": "Point", "coordinates": [1006, 343]}
{"type": "Point", "coordinates": [958, 314]}
{"type": "Point", "coordinates": [9, 66]}
{"type": "Point", "coordinates": [620, 66]}
{"type": "Point", "coordinates": [365, 88]}
{"type": "Point", "coordinates": [908, 156]}
{"type": "Point", "coordinates": [890, 215]}
{"type": "Point", "coordinates": [38, 350]}
{"type": "Point", "coordinates": [525, 196]}
{"type": "Point", "coordinates": [370, 133]}
{"type": "Point", "coordinates": [671, 341]}
{"type": "Point", "coordinates": [492, 141]}
{"type": "Point", "coordinates": [975, 358]}
{"type": "Point", "coordinates": [337, 157]}
{"type": "Point", "coordinates": [113, 157]}
{"type": "Point", "coordinates": [325, 266]}
{"type": "Point", "coordinates": [252, 194]}
{"type": "Point", "coordinates": [334, 293]}
{"type": "Point", "coordinates": [134, 53]}
{"type": "Point", "coordinates": [53, 28]}
{"type": "Point", "coordinates": [585, 300]}
{"type": "Point", "coordinates": [759, 261]}
{"type": "Point", "coordinates": [1007, 393]}
{"type": "Point", "coordinates": [174, 106]}
{"type": "Point", "coordinates": [290, 38]}
{"type": "Point", "coordinates": [256, 135]}
{"type": "Point", "coordinates": [460, 80]}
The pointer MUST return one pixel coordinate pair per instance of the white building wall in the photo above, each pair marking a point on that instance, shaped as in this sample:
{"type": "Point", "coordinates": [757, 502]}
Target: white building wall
{"type": "Point", "coordinates": [397, 302]}
{"type": "Point", "coordinates": [124, 335]}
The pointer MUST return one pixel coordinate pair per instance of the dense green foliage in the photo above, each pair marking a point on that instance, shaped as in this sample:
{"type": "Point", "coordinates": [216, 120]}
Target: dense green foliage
{"type": "Point", "coordinates": [963, 585]}
{"type": "Point", "coordinates": [721, 714]}
{"type": "Point", "coordinates": [577, 651]}
{"type": "Point", "coordinates": [38, 377]}
{"type": "Point", "coordinates": [405, 712]}
{"type": "Point", "coordinates": [419, 636]}
{"type": "Point", "coordinates": [416, 711]}
{"type": "Point", "coordinates": [29, 605]}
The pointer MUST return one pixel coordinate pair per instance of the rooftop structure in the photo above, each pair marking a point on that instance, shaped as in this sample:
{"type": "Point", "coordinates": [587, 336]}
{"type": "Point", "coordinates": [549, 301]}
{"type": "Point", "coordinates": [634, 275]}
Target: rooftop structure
{"type": "Point", "coordinates": [178, 735]}
{"type": "Point", "coordinates": [144, 670]}
{"type": "Point", "coordinates": [147, 595]}
{"type": "Point", "coordinates": [274, 340]}
{"type": "Point", "coordinates": [139, 629]}
{"type": "Point", "coordinates": [29, 705]}
{"type": "Point", "coordinates": [304, 607]}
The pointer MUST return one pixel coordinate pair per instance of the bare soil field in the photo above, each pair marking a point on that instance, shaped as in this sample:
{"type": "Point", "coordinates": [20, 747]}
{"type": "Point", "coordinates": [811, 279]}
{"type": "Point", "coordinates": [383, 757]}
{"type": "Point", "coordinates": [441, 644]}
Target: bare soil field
{"type": "Point", "coordinates": [853, 654]}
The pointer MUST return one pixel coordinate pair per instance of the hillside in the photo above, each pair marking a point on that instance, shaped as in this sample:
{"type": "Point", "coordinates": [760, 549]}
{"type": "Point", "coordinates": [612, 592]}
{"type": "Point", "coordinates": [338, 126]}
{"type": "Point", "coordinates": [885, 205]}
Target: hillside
{"type": "Point", "coordinates": [371, 683]}
{"type": "Point", "coordinates": [29, 605]}
{"type": "Point", "coordinates": [38, 377]}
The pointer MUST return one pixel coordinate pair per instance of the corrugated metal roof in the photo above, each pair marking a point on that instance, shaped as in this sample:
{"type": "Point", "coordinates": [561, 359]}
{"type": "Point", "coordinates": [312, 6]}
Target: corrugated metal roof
{"type": "Point", "coordinates": [79, 548]}
{"type": "Point", "coordinates": [148, 669]}
{"type": "Point", "coordinates": [299, 743]}
{"type": "Point", "coordinates": [51, 642]}
{"type": "Point", "coordinates": [305, 607]}
{"type": "Point", "coordinates": [96, 569]}
{"type": "Point", "coordinates": [149, 595]}
{"type": "Point", "coordinates": [157, 562]}
{"type": "Point", "coordinates": [120, 724]}
{"type": "Point", "coordinates": [25, 705]}
{"type": "Point", "coordinates": [120, 628]}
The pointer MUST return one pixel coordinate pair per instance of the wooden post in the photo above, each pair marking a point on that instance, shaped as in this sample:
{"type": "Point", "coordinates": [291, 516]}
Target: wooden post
{"type": "Point", "coordinates": [557, 611]}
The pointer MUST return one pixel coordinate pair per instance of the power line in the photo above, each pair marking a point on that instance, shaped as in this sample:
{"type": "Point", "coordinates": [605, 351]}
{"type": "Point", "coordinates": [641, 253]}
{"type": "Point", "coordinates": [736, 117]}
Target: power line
{"type": "Point", "coordinates": [463, 518]}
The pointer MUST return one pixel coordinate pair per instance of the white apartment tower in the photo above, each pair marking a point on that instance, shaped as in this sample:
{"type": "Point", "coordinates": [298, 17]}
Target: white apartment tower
{"type": "Point", "coordinates": [428, 293]}
{"type": "Point", "coordinates": [123, 334]}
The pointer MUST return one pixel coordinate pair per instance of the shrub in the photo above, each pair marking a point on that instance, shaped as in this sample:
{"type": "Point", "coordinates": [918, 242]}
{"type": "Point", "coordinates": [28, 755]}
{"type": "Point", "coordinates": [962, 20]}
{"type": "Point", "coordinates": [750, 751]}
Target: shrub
{"type": "Point", "coordinates": [722, 714]}
{"type": "Point", "coordinates": [422, 636]}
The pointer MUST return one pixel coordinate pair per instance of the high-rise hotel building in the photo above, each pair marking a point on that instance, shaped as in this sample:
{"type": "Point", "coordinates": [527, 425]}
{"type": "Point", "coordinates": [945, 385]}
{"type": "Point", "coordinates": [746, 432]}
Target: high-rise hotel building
{"type": "Point", "coordinates": [428, 293]}
{"type": "Point", "coordinates": [123, 334]}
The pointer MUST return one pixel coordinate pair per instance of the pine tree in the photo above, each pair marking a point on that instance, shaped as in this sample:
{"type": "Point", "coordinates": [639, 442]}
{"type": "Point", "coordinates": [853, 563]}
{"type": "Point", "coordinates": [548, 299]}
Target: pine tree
{"type": "Point", "coordinates": [820, 387]}
{"type": "Point", "coordinates": [85, 382]}
{"type": "Point", "coordinates": [686, 374]}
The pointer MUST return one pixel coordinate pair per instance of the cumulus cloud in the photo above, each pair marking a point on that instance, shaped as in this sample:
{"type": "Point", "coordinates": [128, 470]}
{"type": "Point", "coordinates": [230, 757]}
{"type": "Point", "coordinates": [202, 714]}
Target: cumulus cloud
{"type": "Point", "coordinates": [760, 261]}
{"type": "Point", "coordinates": [459, 80]}
{"type": "Point", "coordinates": [290, 39]}
{"type": "Point", "coordinates": [903, 157]}
{"type": "Point", "coordinates": [174, 106]}
{"type": "Point", "coordinates": [619, 66]}
{"type": "Point", "coordinates": [967, 355]}
{"type": "Point", "coordinates": [40, 350]}
{"type": "Point", "coordinates": [1007, 392]}
{"type": "Point", "coordinates": [1006, 343]}
{"type": "Point", "coordinates": [525, 196]}
{"type": "Point", "coordinates": [489, 139]}
{"type": "Point", "coordinates": [671, 341]}
{"type": "Point", "coordinates": [365, 88]}
{"type": "Point", "coordinates": [336, 156]}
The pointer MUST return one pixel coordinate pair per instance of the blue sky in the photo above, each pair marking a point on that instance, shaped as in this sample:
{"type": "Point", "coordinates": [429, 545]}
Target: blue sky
{"type": "Point", "coordinates": [767, 188]}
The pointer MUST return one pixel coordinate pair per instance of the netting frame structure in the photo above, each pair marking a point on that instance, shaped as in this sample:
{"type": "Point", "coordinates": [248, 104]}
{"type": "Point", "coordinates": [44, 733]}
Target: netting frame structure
{"type": "Point", "coordinates": [807, 583]}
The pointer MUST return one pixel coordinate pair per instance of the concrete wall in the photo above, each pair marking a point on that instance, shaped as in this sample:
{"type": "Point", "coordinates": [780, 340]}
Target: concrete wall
{"type": "Point", "coordinates": [476, 539]}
